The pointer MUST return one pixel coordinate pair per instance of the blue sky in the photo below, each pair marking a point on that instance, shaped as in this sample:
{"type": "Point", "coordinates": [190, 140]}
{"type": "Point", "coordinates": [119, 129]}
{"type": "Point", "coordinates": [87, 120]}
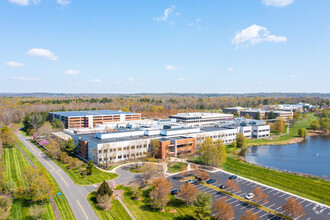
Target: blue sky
{"type": "Point", "coordinates": [208, 46]}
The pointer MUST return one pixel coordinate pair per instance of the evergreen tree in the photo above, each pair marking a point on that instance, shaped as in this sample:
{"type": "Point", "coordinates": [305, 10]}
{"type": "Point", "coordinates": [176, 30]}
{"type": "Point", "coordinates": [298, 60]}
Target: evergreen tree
{"type": "Point", "coordinates": [104, 189]}
{"type": "Point", "coordinates": [90, 167]}
{"type": "Point", "coordinates": [70, 146]}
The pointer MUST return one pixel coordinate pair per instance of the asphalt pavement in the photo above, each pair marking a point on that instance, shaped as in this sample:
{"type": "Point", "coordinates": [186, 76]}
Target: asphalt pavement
{"type": "Point", "coordinates": [75, 194]}
{"type": "Point", "coordinates": [276, 198]}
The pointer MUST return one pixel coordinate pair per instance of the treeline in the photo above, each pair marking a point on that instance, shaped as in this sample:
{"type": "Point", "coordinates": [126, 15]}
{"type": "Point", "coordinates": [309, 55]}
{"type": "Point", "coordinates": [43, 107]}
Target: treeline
{"type": "Point", "coordinates": [15, 109]}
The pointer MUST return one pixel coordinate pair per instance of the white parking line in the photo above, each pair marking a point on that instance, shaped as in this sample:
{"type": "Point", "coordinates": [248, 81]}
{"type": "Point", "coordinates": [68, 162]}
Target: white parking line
{"type": "Point", "coordinates": [249, 184]}
{"type": "Point", "coordinates": [271, 205]}
{"type": "Point", "coordinates": [308, 204]}
{"type": "Point", "coordinates": [259, 211]}
{"type": "Point", "coordinates": [276, 193]}
{"type": "Point", "coordinates": [302, 201]}
{"type": "Point", "coordinates": [234, 201]}
{"type": "Point", "coordinates": [277, 208]}
{"type": "Point", "coordinates": [282, 195]}
{"type": "Point", "coordinates": [264, 214]}
{"type": "Point", "coordinates": [272, 217]}
{"type": "Point", "coordinates": [238, 204]}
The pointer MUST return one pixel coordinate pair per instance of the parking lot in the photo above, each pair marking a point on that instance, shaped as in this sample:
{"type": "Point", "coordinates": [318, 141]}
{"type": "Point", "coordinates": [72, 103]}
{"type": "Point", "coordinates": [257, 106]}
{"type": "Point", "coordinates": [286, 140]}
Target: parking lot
{"type": "Point", "coordinates": [275, 200]}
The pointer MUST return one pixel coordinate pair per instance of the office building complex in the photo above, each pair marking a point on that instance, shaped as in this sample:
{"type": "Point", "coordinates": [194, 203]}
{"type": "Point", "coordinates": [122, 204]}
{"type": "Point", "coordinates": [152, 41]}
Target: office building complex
{"type": "Point", "coordinates": [199, 118]}
{"type": "Point", "coordinates": [89, 119]}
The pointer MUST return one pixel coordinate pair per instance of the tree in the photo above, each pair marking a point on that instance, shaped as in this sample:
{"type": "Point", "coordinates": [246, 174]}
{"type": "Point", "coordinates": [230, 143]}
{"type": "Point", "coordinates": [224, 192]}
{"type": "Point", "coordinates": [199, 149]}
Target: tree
{"type": "Point", "coordinates": [315, 124]}
{"type": "Point", "coordinates": [241, 141]}
{"type": "Point", "coordinates": [302, 132]}
{"type": "Point", "coordinates": [104, 202]}
{"type": "Point", "coordinates": [154, 148]}
{"type": "Point", "coordinates": [223, 210]}
{"type": "Point", "coordinates": [57, 124]}
{"type": "Point", "coordinates": [37, 187]}
{"type": "Point", "coordinates": [249, 215]}
{"type": "Point", "coordinates": [45, 130]}
{"type": "Point", "coordinates": [324, 124]}
{"type": "Point", "coordinates": [271, 115]}
{"type": "Point", "coordinates": [258, 116]}
{"type": "Point", "coordinates": [70, 146]}
{"type": "Point", "coordinates": [160, 192]}
{"type": "Point", "coordinates": [231, 185]}
{"type": "Point", "coordinates": [188, 192]}
{"type": "Point", "coordinates": [8, 137]}
{"type": "Point", "coordinates": [203, 175]}
{"type": "Point", "coordinates": [279, 125]}
{"type": "Point", "coordinates": [203, 203]}
{"type": "Point", "coordinates": [234, 144]}
{"type": "Point", "coordinates": [292, 208]}
{"type": "Point", "coordinates": [213, 153]}
{"type": "Point", "coordinates": [135, 187]}
{"type": "Point", "coordinates": [5, 204]}
{"type": "Point", "coordinates": [296, 116]}
{"type": "Point", "coordinates": [34, 121]}
{"type": "Point", "coordinates": [259, 196]}
{"type": "Point", "coordinates": [36, 211]}
{"type": "Point", "coordinates": [104, 189]}
{"type": "Point", "coordinates": [54, 148]}
{"type": "Point", "coordinates": [149, 171]}
{"type": "Point", "coordinates": [90, 167]}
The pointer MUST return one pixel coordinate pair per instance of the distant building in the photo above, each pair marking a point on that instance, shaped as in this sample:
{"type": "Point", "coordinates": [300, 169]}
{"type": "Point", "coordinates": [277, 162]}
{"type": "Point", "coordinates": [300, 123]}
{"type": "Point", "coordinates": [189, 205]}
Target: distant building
{"type": "Point", "coordinates": [89, 119]}
{"type": "Point", "coordinates": [233, 110]}
{"type": "Point", "coordinates": [200, 118]}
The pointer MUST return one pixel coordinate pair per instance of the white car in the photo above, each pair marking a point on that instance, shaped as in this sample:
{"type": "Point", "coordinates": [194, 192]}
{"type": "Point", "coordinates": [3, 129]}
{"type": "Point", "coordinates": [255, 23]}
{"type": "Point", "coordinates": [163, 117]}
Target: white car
{"type": "Point", "coordinates": [249, 196]}
{"type": "Point", "coordinates": [192, 181]}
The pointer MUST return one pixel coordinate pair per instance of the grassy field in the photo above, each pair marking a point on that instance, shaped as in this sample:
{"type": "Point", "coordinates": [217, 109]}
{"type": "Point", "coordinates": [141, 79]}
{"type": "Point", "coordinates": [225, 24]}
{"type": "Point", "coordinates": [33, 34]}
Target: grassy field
{"type": "Point", "coordinates": [293, 132]}
{"type": "Point", "coordinates": [117, 211]}
{"type": "Point", "coordinates": [176, 167]}
{"type": "Point", "coordinates": [61, 202]}
{"type": "Point", "coordinates": [315, 189]}
{"type": "Point", "coordinates": [14, 162]}
{"type": "Point", "coordinates": [142, 210]}
{"type": "Point", "coordinates": [98, 176]}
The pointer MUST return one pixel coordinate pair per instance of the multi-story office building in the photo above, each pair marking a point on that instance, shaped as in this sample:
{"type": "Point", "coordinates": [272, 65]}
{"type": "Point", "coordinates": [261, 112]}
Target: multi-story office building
{"type": "Point", "coordinates": [89, 119]}
{"type": "Point", "coordinates": [200, 118]}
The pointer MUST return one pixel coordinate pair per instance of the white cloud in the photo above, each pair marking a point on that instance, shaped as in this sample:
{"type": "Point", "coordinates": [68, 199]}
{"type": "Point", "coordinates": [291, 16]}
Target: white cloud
{"type": "Point", "coordinates": [180, 79]}
{"type": "Point", "coordinates": [277, 3]}
{"type": "Point", "coordinates": [63, 2]}
{"type": "Point", "coordinates": [230, 69]}
{"type": "Point", "coordinates": [292, 76]}
{"type": "Point", "coordinates": [117, 82]}
{"type": "Point", "coordinates": [95, 81]}
{"type": "Point", "coordinates": [173, 68]}
{"type": "Point", "coordinates": [14, 64]}
{"type": "Point", "coordinates": [256, 34]}
{"type": "Point", "coordinates": [167, 13]}
{"type": "Point", "coordinates": [72, 72]}
{"type": "Point", "coordinates": [131, 79]}
{"type": "Point", "coordinates": [24, 2]}
{"type": "Point", "coordinates": [196, 22]}
{"type": "Point", "coordinates": [39, 52]}
{"type": "Point", "coordinates": [23, 78]}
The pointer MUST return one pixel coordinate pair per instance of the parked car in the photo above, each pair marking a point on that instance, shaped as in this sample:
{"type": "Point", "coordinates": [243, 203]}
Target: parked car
{"type": "Point", "coordinates": [192, 181]}
{"type": "Point", "coordinates": [210, 181]}
{"type": "Point", "coordinates": [174, 192]}
{"type": "Point", "coordinates": [232, 177]}
{"type": "Point", "coordinates": [222, 186]}
{"type": "Point", "coordinates": [249, 196]}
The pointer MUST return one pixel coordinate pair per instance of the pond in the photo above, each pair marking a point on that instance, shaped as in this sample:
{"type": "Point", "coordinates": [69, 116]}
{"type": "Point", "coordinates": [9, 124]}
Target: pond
{"type": "Point", "coordinates": [310, 157]}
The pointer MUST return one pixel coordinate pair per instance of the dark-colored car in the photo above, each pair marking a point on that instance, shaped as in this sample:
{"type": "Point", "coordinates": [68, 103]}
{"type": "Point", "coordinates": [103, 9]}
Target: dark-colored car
{"type": "Point", "coordinates": [210, 181]}
{"type": "Point", "coordinates": [174, 192]}
{"type": "Point", "coordinates": [232, 177]}
{"type": "Point", "coordinates": [222, 186]}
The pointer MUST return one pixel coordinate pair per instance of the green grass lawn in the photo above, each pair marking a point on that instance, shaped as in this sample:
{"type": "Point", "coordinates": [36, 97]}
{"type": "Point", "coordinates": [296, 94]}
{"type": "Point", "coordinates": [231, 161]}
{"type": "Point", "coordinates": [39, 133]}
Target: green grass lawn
{"type": "Point", "coordinates": [142, 210]}
{"type": "Point", "coordinates": [176, 167]}
{"type": "Point", "coordinates": [98, 176]}
{"type": "Point", "coordinates": [315, 189]}
{"type": "Point", "coordinates": [293, 132]}
{"type": "Point", "coordinates": [117, 211]}
{"type": "Point", "coordinates": [14, 162]}
{"type": "Point", "coordinates": [61, 202]}
{"type": "Point", "coordinates": [136, 170]}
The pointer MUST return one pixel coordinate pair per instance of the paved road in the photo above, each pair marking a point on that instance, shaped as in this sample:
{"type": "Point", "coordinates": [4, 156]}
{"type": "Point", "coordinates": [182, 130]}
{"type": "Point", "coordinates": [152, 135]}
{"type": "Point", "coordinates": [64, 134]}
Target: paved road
{"type": "Point", "coordinates": [276, 198]}
{"type": "Point", "coordinates": [75, 194]}
{"type": "Point", "coordinates": [124, 175]}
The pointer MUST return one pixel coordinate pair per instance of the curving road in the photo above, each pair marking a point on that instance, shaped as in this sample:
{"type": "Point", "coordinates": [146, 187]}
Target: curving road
{"type": "Point", "coordinates": [75, 194]}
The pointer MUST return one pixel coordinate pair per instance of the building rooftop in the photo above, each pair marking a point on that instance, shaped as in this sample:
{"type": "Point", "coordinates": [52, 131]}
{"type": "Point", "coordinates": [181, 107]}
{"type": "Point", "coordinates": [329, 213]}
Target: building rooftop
{"type": "Point", "coordinates": [95, 113]}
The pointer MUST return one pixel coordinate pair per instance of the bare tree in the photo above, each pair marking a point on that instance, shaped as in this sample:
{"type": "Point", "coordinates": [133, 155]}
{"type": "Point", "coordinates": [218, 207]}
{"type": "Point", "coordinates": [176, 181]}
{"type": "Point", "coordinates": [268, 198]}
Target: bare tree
{"type": "Point", "coordinates": [160, 192]}
{"type": "Point", "coordinates": [292, 208]}
{"type": "Point", "coordinates": [203, 175]}
{"type": "Point", "coordinates": [259, 196]}
{"type": "Point", "coordinates": [231, 185]}
{"type": "Point", "coordinates": [223, 210]}
{"type": "Point", "coordinates": [188, 192]}
{"type": "Point", "coordinates": [249, 215]}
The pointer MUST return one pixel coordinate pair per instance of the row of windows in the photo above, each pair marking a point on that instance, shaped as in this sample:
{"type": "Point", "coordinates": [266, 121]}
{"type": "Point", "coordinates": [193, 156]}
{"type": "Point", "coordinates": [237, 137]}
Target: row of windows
{"type": "Point", "coordinates": [261, 130]}
{"type": "Point", "coordinates": [125, 156]}
{"type": "Point", "coordinates": [124, 148]}
{"type": "Point", "coordinates": [216, 136]}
